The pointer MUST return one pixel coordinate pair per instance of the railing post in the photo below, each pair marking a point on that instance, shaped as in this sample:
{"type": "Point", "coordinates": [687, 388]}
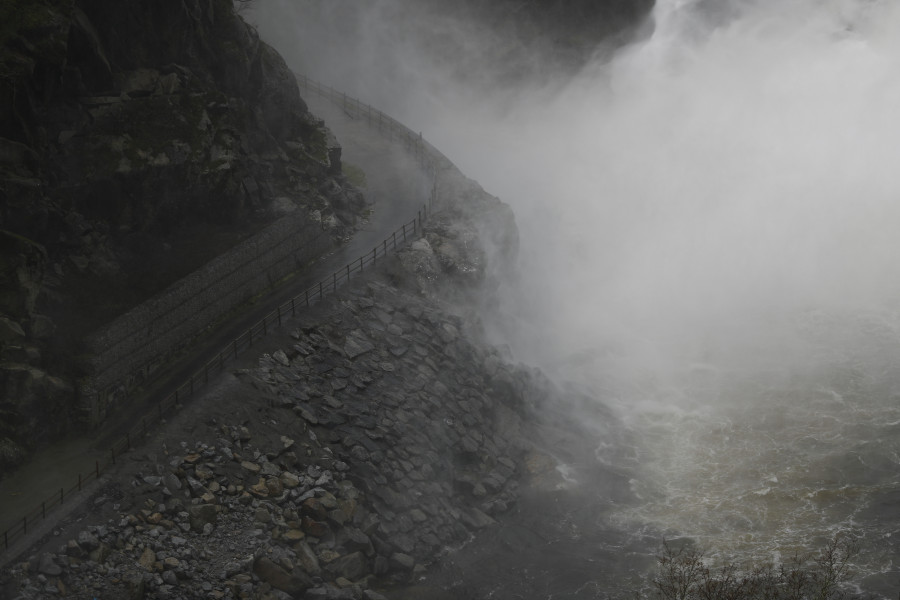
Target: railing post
{"type": "Point", "coordinates": [348, 272]}
{"type": "Point", "coordinates": [250, 337]}
{"type": "Point", "coordinates": [394, 240]}
{"type": "Point", "coordinates": [334, 281]}
{"type": "Point", "coordinates": [404, 233]}
{"type": "Point", "coordinates": [374, 255]}
{"type": "Point", "coordinates": [306, 294]}
{"type": "Point", "coordinates": [360, 264]}
{"type": "Point", "coordinates": [385, 247]}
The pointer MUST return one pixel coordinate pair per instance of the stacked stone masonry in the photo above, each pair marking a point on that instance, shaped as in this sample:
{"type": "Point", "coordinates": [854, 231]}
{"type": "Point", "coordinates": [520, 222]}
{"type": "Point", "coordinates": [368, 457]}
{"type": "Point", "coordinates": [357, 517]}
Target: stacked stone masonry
{"type": "Point", "coordinates": [123, 351]}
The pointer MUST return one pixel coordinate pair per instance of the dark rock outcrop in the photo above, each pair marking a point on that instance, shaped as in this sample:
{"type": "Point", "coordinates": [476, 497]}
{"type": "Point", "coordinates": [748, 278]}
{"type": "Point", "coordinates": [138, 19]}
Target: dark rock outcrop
{"type": "Point", "coordinates": [138, 140]}
{"type": "Point", "coordinates": [564, 28]}
{"type": "Point", "coordinates": [528, 39]}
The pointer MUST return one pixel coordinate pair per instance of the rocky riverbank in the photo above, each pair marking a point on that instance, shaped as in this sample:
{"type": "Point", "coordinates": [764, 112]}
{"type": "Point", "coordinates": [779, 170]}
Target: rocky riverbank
{"type": "Point", "coordinates": [370, 436]}
{"type": "Point", "coordinates": [374, 439]}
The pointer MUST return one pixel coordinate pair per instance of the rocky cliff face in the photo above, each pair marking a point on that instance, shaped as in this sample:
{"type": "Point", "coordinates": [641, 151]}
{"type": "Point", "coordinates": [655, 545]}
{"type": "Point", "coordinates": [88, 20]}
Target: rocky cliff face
{"type": "Point", "coordinates": [570, 30]}
{"type": "Point", "coordinates": [524, 40]}
{"type": "Point", "coordinates": [378, 433]}
{"type": "Point", "coordinates": [138, 139]}
{"type": "Point", "coordinates": [410, 55]}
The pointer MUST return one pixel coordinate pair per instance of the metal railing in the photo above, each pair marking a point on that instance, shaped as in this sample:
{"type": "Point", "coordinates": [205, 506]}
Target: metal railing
{"type": "Point", "coordinates": [427, 154]}
{"type": "Point", "coordinates": [393, 242]}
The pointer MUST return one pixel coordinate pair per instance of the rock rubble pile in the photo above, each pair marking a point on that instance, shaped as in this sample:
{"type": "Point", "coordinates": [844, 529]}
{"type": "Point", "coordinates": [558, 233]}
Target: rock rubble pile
{"type": "Point", "coordinates": [374, 438]}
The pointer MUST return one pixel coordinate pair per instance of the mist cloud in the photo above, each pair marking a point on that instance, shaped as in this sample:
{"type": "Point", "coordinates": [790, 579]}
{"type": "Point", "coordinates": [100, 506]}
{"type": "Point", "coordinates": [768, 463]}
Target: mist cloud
{"type": "Point", "coordinates": [709, 239]}
{"type": "Point", "coordinates": [696, 193]}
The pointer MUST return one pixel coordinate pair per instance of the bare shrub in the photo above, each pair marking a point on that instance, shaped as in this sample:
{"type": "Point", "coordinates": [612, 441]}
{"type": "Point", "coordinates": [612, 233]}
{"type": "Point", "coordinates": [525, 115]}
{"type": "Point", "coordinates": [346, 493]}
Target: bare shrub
{"type": "Point", "coordinates": [685, 574]}
{"type": "Point", "coordinates": [244, 6]}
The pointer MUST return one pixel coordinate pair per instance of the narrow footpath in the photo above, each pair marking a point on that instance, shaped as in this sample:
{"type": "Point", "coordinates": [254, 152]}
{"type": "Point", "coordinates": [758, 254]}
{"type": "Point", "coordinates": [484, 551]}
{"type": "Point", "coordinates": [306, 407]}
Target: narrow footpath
{"type": "Point", "coordinates": [396, 188]}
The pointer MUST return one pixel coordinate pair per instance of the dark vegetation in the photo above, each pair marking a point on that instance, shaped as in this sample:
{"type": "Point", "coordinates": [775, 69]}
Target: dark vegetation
{"type": "Point", "coordinates": [684, 573]}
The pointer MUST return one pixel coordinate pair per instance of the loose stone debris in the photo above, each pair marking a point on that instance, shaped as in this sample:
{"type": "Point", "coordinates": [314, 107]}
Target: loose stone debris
{"type": "Point", "coordinates": [379, 439]}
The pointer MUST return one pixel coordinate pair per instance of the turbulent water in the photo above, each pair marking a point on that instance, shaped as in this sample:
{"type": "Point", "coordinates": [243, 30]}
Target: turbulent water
{"type": "Point", "coordinates": [764, 464]}
{"type": "Point", "coordinates": [709, 242]}
{"type": "Point", "coordinates": [752, 338]}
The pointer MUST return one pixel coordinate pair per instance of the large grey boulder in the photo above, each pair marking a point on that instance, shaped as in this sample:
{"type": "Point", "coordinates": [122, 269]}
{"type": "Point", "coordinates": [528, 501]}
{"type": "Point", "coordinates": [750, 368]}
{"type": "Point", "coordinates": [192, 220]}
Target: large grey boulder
{"type": "Point", "coordinates": [294, 582]}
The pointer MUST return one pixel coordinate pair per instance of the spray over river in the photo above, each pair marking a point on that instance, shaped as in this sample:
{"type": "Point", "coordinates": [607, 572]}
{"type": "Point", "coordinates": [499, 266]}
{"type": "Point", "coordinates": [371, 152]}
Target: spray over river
{"type": "Point", "coordinates": [709, 244]}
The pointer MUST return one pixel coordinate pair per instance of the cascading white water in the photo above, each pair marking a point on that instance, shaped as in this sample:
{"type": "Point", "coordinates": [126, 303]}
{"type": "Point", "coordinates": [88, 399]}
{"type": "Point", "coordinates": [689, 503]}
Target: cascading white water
{"type": "Point", "coordinates": [709, 232]}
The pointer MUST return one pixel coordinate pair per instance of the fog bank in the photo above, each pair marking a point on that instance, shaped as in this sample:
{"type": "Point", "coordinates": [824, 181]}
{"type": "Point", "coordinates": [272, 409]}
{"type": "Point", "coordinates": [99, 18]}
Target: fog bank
{"type": "Point", "coordinates": [709, 184]}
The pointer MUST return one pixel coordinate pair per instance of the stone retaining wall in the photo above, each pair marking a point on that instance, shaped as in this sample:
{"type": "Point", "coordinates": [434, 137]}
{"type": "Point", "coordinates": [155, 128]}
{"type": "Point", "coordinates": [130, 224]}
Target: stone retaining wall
{"type": "Point", "coordinates": [127, 351]}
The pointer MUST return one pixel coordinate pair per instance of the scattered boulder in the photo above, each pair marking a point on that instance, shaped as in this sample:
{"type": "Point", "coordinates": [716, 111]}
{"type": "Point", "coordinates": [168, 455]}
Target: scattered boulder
{"type": "Point", "coordinates": [352, 566]}
{"type": "Point", "coordinates": [293, 582]}
{"type": "Point", "coordinates": [202, 514]}
{"type": "Point", "coordinates": [47, 566]}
